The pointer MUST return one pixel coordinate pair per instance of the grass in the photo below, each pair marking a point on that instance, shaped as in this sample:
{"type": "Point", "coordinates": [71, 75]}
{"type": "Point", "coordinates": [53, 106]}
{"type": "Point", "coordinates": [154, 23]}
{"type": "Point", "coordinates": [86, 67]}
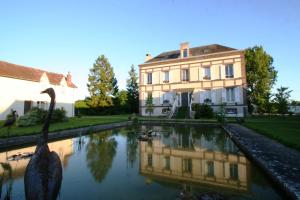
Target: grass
{"type": "Point", "coordinates": [71, 124]}
{"type": "Point", "coordinates": [284, 129]}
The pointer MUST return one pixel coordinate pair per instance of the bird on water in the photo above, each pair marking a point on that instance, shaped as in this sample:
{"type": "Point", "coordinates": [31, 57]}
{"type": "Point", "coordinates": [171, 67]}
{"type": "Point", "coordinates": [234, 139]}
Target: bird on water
{"type": "Point", "coordinates": [43, 175]}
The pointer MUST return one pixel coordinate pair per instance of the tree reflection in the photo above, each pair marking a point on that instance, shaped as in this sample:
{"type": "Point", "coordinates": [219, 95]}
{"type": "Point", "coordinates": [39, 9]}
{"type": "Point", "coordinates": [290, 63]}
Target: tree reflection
{"type": "Point", "coordinates": [100, 154]}
{"type": "Point", "coordinates": [131, 148]}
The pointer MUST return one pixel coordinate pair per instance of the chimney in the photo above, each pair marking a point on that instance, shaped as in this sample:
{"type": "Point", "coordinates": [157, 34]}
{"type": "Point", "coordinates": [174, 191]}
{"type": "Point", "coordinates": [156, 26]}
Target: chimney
{"type": "Point", "coordinates": [184, 45]}
{"type": "Point", "coordinates": [148, 57]}
{"type": "Point", "coordinates": [184, 50]}
{"type": "Point", "coordinates": [69, 78]}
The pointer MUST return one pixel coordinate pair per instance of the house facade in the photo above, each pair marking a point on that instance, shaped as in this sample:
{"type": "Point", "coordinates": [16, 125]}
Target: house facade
{"type": "Point", "coordinates": [21, 86]}
{"type": "Point", "coordinates": [212, 74]}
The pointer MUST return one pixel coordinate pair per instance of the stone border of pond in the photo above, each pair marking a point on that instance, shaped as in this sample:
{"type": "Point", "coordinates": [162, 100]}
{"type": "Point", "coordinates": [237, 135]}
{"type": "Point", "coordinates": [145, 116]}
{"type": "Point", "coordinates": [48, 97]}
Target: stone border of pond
{"type": "Point", "coordinates": [183, 122]}
{"type": "Point", "coordinates": [280, 163]}
{"type": "Point", "coordinates": [9, 143]}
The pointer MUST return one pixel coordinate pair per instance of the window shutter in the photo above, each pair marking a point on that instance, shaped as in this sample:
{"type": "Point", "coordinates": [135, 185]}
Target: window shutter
{"type": "Point", "coordinates": [145, 79]}
{"type": "Point", "coordinates": [222, 72]}
{"type": "Point", "coordinates": [200, 69]}
{"type": "Point", "coordinates": [237, 94]}
{"type": "Point", "coordinates": [212, 72]}
{"type": "Point", "coordinates": [161, 97]}
{"type": "Point", "coordinates": [224, 95]}
{"type": "Point", "coordinates": [202, 96]}
{"type": "Point", "coordinates": [213, 96]}
{"type": "Point", "coordinates": [234, 71]}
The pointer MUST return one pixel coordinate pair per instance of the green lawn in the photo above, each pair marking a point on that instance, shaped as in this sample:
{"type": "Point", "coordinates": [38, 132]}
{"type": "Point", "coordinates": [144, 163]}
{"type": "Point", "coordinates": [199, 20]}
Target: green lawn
{"type": "Point", "coordinates": [285, 129]}
{"type": "Point", "coordinates": [72, 123]}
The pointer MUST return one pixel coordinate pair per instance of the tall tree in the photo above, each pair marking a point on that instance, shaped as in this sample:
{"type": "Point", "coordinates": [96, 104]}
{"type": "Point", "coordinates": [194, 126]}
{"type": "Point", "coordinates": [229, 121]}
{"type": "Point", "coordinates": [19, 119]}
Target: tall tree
{"type": "Point", "coordinates": [115, 86]}
{"type": "Point", "coordinates": [133, 91]}
{"type": "Point", "coordinates": [149, 105]}
{"type": "Point", "coordinates": [261, 76]}
{"type": "Point", "coordinates": [282, 99]}
{"type": "Point", "coordinates": [101, 83]}
{"type": "Point", "coordinates": [121, 98]}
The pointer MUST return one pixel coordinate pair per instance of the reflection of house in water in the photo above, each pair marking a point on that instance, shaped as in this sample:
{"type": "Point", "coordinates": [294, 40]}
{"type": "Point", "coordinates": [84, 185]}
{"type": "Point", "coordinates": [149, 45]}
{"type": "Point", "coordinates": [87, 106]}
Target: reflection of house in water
{"type": "Point", "coordinates": [182, 157]}
{"type": "Point", "coordinates": [64, 148]}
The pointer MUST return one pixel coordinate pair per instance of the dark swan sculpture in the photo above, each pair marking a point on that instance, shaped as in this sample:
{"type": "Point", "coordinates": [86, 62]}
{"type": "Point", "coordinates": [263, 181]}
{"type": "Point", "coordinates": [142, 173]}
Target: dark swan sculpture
{"type": "Point", "coordinates": [43, 174]}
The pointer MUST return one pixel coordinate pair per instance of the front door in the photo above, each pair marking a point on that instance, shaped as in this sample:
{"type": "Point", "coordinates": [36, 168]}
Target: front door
{"type": "Point", "coordinates": [184, 99]}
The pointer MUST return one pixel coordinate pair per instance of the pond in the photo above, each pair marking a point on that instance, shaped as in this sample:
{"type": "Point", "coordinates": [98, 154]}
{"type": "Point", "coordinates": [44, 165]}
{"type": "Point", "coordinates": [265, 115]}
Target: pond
{"type": "Point", "coordinates": [180, 162]}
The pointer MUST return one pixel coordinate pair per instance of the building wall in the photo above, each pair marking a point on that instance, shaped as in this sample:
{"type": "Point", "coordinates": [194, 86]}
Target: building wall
{"type": "Point", "coordinates": [196, 84]}
{"type": "Point", "coordinates": [15, 91]}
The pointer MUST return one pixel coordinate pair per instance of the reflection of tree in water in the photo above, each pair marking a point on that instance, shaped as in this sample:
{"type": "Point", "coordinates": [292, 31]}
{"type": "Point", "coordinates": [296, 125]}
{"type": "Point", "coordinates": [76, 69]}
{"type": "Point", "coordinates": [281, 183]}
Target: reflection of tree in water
{"type": "Point", "coordinates": [132, 144]}
{"type": "Point", "coordinates": [6, 167]}
{"type": "Point", "coordinates": [100, 154]}
{"type": "Point", "coordinates": [131, 148]}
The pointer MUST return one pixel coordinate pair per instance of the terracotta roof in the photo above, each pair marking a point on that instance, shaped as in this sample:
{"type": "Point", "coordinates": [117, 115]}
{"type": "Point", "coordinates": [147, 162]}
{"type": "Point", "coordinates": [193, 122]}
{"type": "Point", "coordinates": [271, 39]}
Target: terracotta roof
{"type": "Point", "coordinates": [30, 74]}
{"type": "Point", "coordinates": [195, 51]}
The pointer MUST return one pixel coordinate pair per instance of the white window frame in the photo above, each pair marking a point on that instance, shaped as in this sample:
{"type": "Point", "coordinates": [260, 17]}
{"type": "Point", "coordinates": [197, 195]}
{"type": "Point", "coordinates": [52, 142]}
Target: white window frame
{"type": "Point", "coordinates": [166, 76]}
{"type": "Point", "coordinates": [149, 78]}
{"type": "Point", "coordinates": [230, 94]}
{"type": "Point", "coordinates": [185, 76]}
{"type": "Point", "coordinates": [206, 77]}
{"type": "Point", "coordinates": [229, 73]}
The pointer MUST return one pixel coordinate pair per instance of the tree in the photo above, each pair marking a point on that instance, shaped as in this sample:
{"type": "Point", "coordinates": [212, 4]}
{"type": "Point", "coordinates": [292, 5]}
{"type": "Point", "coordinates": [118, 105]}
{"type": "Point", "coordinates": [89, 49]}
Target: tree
{"type": "Point", "coordinates": [149, 105]}
{"type": "Point", "coordinates": [115, 86]}
{"type": "Point", "coordinates": [261, 76]}
{"type": "Point", "coordinates": [282, 99]}
{"type": "Point", "coordinates": [133, 91]}
{"type": "Point", "coordinates": [121, 98]}
{"type": "Point", "coordinates": [102, 83]}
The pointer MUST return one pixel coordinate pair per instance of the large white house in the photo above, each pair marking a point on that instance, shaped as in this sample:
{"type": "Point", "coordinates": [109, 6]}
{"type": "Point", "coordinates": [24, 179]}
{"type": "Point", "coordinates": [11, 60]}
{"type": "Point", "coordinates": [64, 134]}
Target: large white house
{"type": "Point", "coordinates": [20, 89]}
{"type": "Point", "coordinates": [212, 73]}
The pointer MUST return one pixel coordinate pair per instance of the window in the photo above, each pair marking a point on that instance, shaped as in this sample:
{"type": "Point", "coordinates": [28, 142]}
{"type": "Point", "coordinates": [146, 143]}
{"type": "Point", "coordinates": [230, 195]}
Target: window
{"type": "Point", "coordinates": [150, 160]}
{"type": "Point", "coordinates": [207, 96]}
{"type": "Point", "coordinates": [185, 53]}
{"type": "Point", "coordinates": [210, 168]}
{"type": "Point", "coordinates": [187, 165]}
{"type": "Point", "coordinates": [27, 106]}
{"type": "Point", "coordinates": [166, 77]}
{"type": "Point", "coordinates": [229, 71]}
{"type": "Point", "coordinates": [167, 163]}
{"type": "Point", "coordinates": [41, 105]}
{"type": "Point", "coordinates": [185, 75]}
{"type": "Point", "coordinates": [206, 73]}
{"type": "Point", "coordinates": [149, 78]}
{"type": "Point", "coordinates": [230, 94]}
{"type": "Point", "coordinates": [234, 173]}
{"type": "Point", "coordinates": [231, 111]}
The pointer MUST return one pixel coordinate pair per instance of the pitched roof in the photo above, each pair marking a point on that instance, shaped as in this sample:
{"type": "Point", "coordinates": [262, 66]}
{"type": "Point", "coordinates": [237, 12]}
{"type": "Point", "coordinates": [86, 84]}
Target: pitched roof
{"type": "Point", "coordinates": [30, 74]}
{"type": "Point", "coordinates": [195, 51]}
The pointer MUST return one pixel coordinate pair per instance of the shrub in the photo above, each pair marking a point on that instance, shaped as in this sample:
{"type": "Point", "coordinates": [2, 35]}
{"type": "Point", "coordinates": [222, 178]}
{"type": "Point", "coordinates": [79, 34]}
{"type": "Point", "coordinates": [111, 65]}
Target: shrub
{"type": "Point", "coordinates": [59, 115]}
{"type": "Point", "coordinates": [37, 116]}
{"type": "Point", "coordinates": [33, 117]}
{"type": "Point", "coordinates": [203, 110]}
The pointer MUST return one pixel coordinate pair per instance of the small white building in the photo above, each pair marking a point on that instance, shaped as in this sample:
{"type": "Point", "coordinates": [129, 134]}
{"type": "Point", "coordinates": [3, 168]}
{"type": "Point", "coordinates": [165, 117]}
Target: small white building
{"type": "Point", "coordinates": [20, 89]}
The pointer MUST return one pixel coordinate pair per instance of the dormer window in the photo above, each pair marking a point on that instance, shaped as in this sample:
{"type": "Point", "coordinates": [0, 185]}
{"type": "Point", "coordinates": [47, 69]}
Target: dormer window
{"type": "Point", "coordinates": [184, 50]}
{"type": "Point", "coordinates": [185, 53]}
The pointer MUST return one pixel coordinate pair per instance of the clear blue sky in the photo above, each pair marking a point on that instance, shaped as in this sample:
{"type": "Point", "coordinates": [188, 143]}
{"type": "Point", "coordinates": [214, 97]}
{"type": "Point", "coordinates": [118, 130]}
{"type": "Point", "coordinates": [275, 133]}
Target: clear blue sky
{"type": "Point", "coordinates": [68, 35]}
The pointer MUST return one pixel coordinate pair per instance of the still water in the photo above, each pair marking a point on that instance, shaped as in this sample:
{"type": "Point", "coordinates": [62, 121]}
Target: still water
{"type": "Point", "coordinates": [180, 162]}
